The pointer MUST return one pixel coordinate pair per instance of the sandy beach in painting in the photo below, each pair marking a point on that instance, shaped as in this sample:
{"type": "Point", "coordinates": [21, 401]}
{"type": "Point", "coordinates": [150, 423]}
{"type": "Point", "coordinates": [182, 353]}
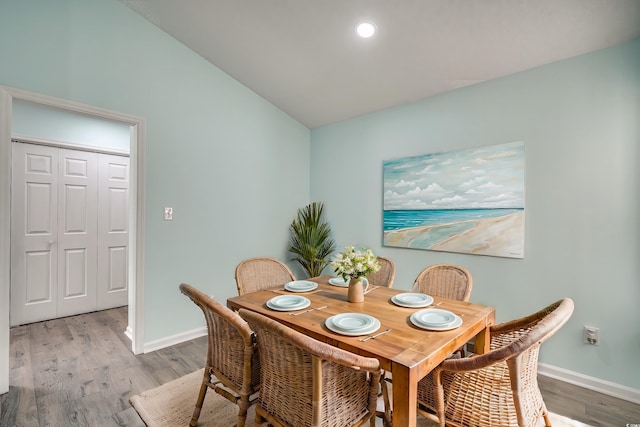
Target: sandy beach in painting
{"type": "Point", "coordinates": [500, 236]}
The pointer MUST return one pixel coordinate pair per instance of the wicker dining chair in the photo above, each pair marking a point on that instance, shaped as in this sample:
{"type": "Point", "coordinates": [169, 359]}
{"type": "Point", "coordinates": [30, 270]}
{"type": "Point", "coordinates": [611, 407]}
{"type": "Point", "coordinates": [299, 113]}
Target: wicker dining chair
{"type": "Point", "coordinates": [386, 274]}
{"type": "Point", "coordinates": [232, 366]}
{"type": "Point", "coordinates": [306, 382]}
{"type": "Point", "coordinates": [441, 280]}
{"type": "Point", "coordinates": [498, 388]}
{"type": "Point", "coordinates": [254, 274]}
{"type": "Point", "coordinates": [444, 280]}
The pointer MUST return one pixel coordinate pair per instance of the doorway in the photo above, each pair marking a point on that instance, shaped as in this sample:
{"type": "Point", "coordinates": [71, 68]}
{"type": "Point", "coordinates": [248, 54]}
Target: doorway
{"type": "Point", "coordinates": [135, 328]}
{"type": "Point", "coordinates": [69, 228]}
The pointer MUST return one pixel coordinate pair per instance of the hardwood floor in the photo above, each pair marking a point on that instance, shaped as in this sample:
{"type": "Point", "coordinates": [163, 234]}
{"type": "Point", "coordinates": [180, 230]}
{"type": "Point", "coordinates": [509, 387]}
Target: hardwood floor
{"type": "Point", "coordinates": [80, 371]}
{"type": "Point", "coordinates": [595, 409]}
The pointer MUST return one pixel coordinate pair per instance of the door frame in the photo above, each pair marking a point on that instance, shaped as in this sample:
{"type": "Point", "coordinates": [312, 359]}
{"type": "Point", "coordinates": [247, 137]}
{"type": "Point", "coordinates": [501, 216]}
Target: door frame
{"type": "Point", "coordinates": [135, 328]}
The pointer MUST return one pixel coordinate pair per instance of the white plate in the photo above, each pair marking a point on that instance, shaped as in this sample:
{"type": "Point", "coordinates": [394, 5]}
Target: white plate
{"type": "Point", "coordinates": [435, 317]}
{"type": "Point", "coordinates": [338, 281]}
{"type": "Point", "coordinates": [352, 322]}
{"type": "Point", "coordinates": [421, 319]}
{"type": "Point", "coordinates": [300, 286]}
{"type": "Point", "coordinates": [412, 300]}
{"type": "Point", "coordinates": [288, 303]}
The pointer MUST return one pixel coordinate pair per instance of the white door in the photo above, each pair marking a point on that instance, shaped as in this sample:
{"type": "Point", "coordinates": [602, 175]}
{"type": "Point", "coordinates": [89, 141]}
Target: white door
{"type": "Point", "coordinates": [77, 231]}
{"type": "Point", "coordinates": [69, 232]}
{"type": "Point", "coordinates": [34, 233]}
{"type": "Point", "coordinates": [113, 231]}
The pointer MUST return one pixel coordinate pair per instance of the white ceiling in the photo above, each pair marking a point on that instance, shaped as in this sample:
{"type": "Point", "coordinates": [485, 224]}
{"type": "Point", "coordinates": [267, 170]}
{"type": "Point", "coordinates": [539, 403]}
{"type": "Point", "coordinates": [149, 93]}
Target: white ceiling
{"type": "Point", "coordinates": [304, 57]}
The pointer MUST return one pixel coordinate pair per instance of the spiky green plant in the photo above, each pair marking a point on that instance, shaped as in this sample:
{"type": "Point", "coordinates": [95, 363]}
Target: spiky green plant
{"type": "Point", "coordinates": [311, 240]}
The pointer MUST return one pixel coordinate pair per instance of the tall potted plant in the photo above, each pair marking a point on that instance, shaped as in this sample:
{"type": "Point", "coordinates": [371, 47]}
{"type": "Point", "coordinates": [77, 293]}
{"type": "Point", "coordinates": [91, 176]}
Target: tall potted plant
{"type": "Point", "coordinates": [311, 240]}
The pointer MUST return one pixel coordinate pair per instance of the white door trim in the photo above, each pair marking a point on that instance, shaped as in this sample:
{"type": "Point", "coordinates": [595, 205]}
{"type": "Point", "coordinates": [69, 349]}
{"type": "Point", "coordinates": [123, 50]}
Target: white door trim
{"type": "Point", "coordinates": [136, 213]}
{"type": "Point", "coordinates": [70, 145]}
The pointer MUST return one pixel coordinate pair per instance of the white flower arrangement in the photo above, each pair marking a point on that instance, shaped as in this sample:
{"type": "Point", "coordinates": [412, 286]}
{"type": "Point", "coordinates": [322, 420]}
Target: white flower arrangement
{"type": "Point", "coordinates": [355, 263]}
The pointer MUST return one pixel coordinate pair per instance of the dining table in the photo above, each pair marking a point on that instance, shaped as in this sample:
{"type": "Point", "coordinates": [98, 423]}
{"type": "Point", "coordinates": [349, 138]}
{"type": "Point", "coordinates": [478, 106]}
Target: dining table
{"type": "Point", "coordinates": [407, 351]}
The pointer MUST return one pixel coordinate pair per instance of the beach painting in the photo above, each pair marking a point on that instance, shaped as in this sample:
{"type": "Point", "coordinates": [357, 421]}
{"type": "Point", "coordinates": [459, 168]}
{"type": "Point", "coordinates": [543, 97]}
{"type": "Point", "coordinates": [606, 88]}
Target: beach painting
{"type": "Point", "coordinates": [467, 201]}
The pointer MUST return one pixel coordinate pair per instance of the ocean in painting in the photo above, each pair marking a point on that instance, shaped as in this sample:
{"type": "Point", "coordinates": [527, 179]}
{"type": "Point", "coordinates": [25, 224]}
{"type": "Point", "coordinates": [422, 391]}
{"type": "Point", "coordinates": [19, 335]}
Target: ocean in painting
{"type": "Point", "coordinates": [401, 219]}
{"type": "Point", "coordinates": [495, 232]}
{"type": "Point", "coordinates": [446, 222]}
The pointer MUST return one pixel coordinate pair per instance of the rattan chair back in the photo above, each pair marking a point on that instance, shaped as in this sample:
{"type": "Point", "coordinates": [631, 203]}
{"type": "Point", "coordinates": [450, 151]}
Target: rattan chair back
{"type": "Point", "coordinates": [386, 274]}
{"type": "Point", "coordinates": [259, 273]}
{"type": "Point", "coordinates": [446, 281]}
{"type": "Point", "coordinates": [232, 356]}
{"type": "Point", "coordinates": [498, 388]}
{"type": "Point", "coordinates": [306, 382]}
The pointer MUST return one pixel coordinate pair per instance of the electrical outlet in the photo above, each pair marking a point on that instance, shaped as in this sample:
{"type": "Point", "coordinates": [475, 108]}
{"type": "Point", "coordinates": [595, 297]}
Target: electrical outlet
{"type": "Point", "coordinates": [168, 214]}
{"type": "Point", "coordinates": [591, 335]}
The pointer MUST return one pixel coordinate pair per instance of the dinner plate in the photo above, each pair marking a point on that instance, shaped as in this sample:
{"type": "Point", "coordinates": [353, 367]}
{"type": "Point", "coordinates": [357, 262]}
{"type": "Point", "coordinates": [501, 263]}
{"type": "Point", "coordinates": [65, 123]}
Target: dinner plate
{"type": "Point", "coordinates": [300, 286]}
{"type": "Point", "coordinates": [338, 281]}
{"type": "Point", "coordinates": [435, 317]}
{"type": "Point", "coordinates": [426, 319]}
{"type": "Point", "coordinates": [288, 303]}
{"type": "Point", "coordinates": [352, 324]}
{"type": "Point", "coordinates": [352, 321]}
{"type": "Point", "coordinates": [412, 300]}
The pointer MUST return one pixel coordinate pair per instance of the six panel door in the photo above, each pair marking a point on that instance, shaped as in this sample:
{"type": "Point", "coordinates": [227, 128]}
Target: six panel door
{"type": "Point", "coordinates": [34, 233]}
{"type": "Point", "coordinates": [77, 231]}
{"type": "Point", "coordinates": [113, 231]}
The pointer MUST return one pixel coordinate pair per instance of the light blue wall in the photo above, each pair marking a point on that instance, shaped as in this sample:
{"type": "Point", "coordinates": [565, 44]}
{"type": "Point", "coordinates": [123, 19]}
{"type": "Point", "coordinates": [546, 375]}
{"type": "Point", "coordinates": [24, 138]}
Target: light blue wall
{"type": "Point", "coordinates": [234, 168]}
{"type": "Point", "coordinates": [61, 126]}
{"type": "Point", "coordinates": [580, 121]}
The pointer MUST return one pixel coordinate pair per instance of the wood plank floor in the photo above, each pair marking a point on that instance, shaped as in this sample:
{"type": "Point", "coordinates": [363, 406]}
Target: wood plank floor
{"type": "Point", "coordinates": [80, 371]}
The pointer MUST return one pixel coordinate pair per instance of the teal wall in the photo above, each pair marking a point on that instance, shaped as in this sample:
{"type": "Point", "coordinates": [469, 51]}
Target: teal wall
{"type": "Point", "coordinates": [234, 168]}
{"type": "Point", "coordinates": [580, 121]}
{"type": "Point", "coordinates": [61, 126]}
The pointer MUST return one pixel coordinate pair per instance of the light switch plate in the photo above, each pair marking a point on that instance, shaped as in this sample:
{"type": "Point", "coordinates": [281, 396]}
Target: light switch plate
{"type": "Point", "coordinates": [168, 214]}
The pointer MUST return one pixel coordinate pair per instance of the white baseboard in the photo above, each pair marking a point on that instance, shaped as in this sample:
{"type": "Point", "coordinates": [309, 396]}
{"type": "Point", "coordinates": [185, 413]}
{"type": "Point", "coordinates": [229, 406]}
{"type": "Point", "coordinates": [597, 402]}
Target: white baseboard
{"type": "Point", "coordinates": [601, 386]}
{"type": "Point", "coordinates": [129, 332]}
{"type": "Point", "coordinates": [175, 339]}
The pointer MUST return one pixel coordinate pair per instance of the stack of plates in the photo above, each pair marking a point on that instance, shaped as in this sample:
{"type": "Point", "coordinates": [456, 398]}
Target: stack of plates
{"type": "Point", "coordinates": [412, 300]}
{"type": "Point", "coordinates": [338, 281]}
{"type": "Point", "coordinates": [435, 319]}
{"type": "Point", "coordinates": [300, 286]}
{"type": "Point", "coordinates": [352, 324]}
{"type": "Point", "coordinates": [288, 303]}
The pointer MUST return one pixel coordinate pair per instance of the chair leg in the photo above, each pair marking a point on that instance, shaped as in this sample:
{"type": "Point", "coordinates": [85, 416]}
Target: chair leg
{"type": "Point", "coordinates": [243, 405]}
{"type": "Point", "coordinates": [242, 417]}
{"type": "Point", "coordinates": [439, 398]}
{"type": "Point", "coordinates": [387, 419]}
{"type": "Point", "coordinates": [384, 393]}
{"type": "Point", "coordinates": [259, 419]}
{"type": "Point", "coordinates": [545, 414]}
{"type": "Point", "coordinates": [200, 400]}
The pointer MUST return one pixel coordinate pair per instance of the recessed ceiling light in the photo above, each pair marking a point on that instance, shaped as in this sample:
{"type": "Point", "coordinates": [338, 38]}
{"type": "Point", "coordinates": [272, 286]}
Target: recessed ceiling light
{"type": "Point", "coordinates": [365, 29]}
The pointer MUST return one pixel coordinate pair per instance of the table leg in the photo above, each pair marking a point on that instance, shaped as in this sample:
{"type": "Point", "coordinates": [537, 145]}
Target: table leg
{"type": "Point", "coordinates": [483, 339]}
{"type": "Point", "coordinates": [405, 396]}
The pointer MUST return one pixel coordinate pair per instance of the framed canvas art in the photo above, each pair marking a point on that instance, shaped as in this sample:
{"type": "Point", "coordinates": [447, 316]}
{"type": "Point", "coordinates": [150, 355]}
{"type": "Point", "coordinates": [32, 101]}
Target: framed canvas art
{"type": "Point", "coordinates": [468, 201]}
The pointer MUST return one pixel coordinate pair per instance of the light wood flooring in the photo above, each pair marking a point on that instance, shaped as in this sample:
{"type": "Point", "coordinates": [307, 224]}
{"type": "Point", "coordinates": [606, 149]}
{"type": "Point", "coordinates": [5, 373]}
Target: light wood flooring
{"type": "Point", "coordinates": [80, 371]}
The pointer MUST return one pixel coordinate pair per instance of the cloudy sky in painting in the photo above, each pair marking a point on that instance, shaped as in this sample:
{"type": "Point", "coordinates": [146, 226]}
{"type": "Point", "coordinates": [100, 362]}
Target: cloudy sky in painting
{"type": "Point", "coordinates": [479, 178]}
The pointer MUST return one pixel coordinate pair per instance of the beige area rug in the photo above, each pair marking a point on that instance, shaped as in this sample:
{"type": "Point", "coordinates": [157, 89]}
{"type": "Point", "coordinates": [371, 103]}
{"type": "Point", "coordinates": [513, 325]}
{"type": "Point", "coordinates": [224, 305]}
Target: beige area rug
{"type": "Point", "coordinates": [172, 404]}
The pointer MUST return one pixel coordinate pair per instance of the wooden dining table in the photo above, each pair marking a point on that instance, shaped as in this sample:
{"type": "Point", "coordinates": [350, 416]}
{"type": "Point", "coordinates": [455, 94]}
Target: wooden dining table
{"type": "Point", "coordinates": [407, 351]}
